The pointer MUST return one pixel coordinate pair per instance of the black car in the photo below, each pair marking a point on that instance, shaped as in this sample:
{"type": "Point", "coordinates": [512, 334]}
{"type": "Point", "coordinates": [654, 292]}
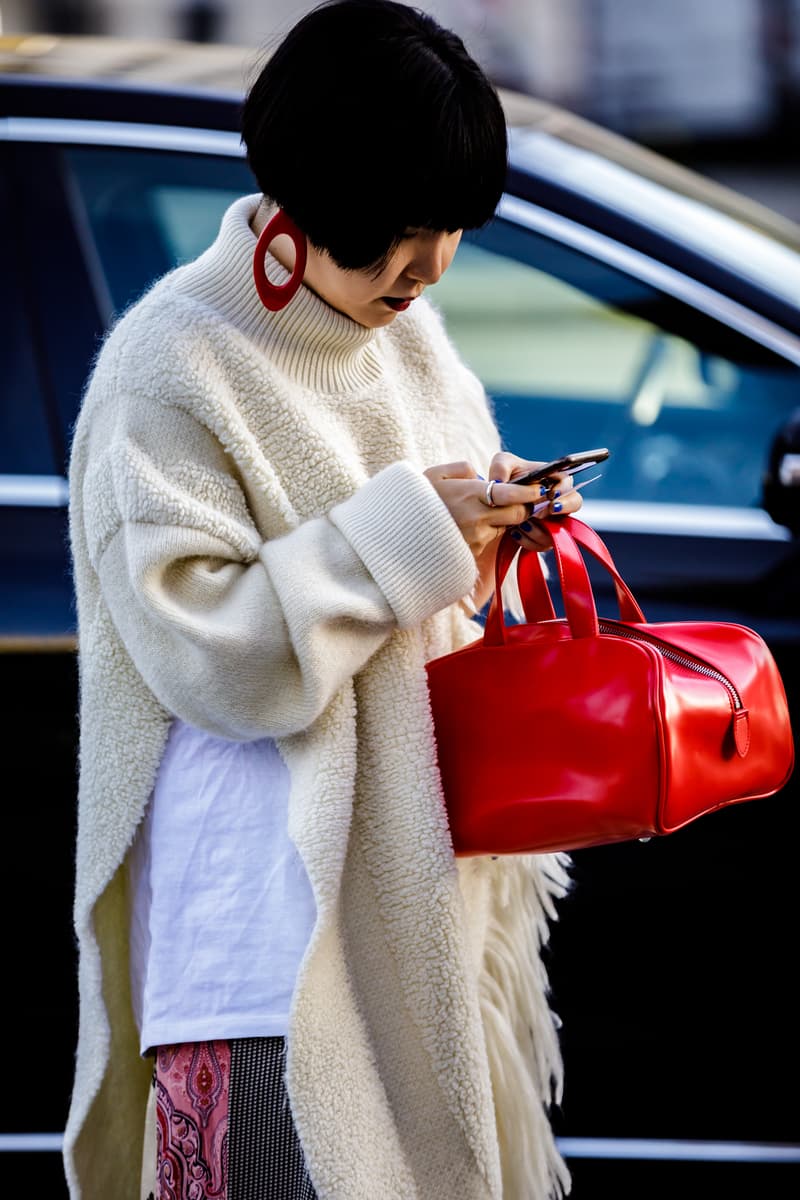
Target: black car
{"type": "Point", "coordinates": [616, 300]}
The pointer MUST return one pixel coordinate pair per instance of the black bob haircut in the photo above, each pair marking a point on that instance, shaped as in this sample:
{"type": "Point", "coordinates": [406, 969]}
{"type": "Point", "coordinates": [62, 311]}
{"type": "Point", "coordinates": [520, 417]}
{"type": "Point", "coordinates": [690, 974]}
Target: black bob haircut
{"type": "Point", "coordinates": [370, 120]}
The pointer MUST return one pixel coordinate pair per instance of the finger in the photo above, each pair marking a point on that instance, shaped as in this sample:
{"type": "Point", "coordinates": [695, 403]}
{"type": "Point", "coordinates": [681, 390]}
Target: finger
{"type": "Point", "coordinates": [505, 494]}
{"type": "Point", "coordinates": [534, 539]}
{"type": "Point", "coordinates": [537, 542]}
{"type": "Point", "coordinates": [455, 470]}
{"type": "Point", "coordinates": [557, 485]}
{"type": "Point", "coordinates": [486, 492]}
{"type": "Point", "coordinates": [509, 514]}
{"type": "Point", "coordinates": [570, 503]}
{"type": "Point", "coordinates": [533, 531]}
{"type": "Point", "coordinates": [502, 465]}
{"type": "Point", "coordinates": [532, 493]}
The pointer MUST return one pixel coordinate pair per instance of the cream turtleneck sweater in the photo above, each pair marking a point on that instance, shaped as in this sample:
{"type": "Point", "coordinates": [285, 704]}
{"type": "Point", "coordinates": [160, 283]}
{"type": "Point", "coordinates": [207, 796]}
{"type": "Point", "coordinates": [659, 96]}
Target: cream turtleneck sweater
{"type": "Point", "coordinates": [257, 551]}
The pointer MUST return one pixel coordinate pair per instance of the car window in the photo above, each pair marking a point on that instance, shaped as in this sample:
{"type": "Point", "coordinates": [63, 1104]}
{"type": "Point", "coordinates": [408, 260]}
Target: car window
{"type": "Point", "coordinates": [576, 354]}
{"type": "Point", "coordinates": [25, 443]}
{"type": "Point", "coordinates": [148, 211]}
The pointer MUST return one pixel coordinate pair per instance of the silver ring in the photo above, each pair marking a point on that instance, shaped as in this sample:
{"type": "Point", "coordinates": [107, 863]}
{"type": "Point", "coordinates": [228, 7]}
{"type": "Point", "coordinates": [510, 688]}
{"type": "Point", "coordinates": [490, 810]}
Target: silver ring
{"type": "Point", "coordinates": [488, 494]}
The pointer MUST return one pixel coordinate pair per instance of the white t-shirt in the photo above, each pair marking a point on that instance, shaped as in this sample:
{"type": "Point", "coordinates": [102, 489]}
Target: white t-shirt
{"type": "Point", "coordinates": [222, 909]}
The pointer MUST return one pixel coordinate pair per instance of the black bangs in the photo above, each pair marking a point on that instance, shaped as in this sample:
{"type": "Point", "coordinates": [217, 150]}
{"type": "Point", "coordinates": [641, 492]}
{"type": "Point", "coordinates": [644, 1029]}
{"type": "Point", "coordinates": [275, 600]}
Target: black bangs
{"type": "Point", "coordinates": [444, 185]}
{"type": "Point", "coordinates": [371, 121]}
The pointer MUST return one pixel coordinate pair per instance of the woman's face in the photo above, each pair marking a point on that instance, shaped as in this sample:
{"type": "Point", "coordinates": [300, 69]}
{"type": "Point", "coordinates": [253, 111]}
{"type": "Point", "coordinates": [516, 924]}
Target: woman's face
{"type": "Point", "coordinates": [373, 300]}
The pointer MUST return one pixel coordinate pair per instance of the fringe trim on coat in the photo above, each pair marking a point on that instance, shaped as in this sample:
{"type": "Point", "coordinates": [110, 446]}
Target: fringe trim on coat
{"type": "Point", "coordinates": [521, 1031]}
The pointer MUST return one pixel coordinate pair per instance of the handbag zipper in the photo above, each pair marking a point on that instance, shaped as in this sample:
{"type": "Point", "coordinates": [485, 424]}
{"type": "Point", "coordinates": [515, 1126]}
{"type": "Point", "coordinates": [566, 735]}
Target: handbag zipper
{"type": "Point", "coordinates": [677, 656]}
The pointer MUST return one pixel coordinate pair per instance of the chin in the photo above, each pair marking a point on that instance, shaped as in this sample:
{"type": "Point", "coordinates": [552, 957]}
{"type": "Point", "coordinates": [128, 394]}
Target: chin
{"type": "Point", "coordinates": [377, 321]}
{"type": "Point", "coordinates": [371, 317]}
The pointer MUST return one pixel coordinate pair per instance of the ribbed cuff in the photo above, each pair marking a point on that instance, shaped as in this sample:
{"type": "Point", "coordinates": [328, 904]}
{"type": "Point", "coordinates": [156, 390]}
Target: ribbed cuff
{"type": "Point", "coordinates": [408, 542]}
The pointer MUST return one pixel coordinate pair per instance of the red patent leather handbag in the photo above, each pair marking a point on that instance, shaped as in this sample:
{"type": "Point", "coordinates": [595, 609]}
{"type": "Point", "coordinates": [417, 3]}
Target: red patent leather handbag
{"type": "Point", "coordinates": [562, 733]}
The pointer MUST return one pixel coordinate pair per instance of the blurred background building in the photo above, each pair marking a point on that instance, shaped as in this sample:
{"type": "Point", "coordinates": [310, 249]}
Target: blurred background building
{"type": "Point", "coordinates": [714, 82]}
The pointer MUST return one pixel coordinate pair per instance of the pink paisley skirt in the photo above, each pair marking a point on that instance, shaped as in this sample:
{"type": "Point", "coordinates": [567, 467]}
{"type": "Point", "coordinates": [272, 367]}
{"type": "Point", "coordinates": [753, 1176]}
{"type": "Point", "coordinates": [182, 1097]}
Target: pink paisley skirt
{"type": "Point", "coordinates": [224, 1129]}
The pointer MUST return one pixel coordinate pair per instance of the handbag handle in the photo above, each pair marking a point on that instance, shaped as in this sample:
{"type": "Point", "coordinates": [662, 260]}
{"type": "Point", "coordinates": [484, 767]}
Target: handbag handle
{"type": "Point", "coordinates": [591, 541]}
{"type": "Point", "coordinates": [532, 585]}
{"type": "Point", "coordinates": [533, 590]}
{"type": "Point", "coordinates": [494, 628]}
{"type": "Point", "coordinates": [567, 534]}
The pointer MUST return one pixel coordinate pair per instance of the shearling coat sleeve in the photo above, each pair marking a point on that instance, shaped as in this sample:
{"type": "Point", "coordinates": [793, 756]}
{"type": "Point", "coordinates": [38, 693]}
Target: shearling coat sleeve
{"type": "Point", "coordinates": [237, 633]}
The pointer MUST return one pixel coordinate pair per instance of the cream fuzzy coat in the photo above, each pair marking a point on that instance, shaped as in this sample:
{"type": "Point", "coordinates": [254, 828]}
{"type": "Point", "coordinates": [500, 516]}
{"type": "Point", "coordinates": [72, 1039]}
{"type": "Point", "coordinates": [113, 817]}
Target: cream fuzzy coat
{"type": "Point", "coordinates": [257, 550]}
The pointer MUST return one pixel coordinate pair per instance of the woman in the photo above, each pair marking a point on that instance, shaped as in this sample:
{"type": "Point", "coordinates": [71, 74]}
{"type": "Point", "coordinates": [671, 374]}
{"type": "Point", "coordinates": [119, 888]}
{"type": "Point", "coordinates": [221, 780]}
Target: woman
{"type": "Point", "coordinates": [278, 516]}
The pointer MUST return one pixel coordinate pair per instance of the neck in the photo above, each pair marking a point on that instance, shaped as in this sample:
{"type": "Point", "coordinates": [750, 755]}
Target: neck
{"type": "Point", "coordinates": [260, 216]}
{"type": "Point", "coordinates": [308, 339]}
{"type": "Point", "coordinates": [281, 247]}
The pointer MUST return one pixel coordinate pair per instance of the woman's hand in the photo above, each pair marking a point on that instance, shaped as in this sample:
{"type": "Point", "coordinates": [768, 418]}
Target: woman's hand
{"type": "Point", "coordinates": [557, 493]}
{"type": "Point", "coordinates": [484, 509]}
{"type": "Point", "coordinates": [463, 492]}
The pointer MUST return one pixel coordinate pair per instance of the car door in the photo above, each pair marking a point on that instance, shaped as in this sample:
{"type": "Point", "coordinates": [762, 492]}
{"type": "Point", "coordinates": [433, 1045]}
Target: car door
{"type": "Point", "coordinates": [36, 592]}
{"type": "Point", "coordinates": [90, 214]}
{"type": "Point", "coordinates": [668, 957]}
{"type": "Point", "coordinates": [96, 211]}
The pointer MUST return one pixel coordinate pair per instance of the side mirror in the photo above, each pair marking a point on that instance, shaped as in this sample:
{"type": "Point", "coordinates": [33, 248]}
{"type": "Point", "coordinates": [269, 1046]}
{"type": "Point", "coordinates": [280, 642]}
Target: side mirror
{"type": "Point", "coordinates": [781, 483]}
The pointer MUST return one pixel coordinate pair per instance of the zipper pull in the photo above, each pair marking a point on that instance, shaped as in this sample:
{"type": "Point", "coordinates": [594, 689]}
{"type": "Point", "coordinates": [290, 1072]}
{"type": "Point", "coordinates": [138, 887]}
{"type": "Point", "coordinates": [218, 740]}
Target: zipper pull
{"type": "Point", "coordinates": [741, 731]}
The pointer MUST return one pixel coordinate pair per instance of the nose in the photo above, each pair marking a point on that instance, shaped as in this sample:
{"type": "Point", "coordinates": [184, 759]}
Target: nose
{"type": "Point", "coordinates": [431, 255]}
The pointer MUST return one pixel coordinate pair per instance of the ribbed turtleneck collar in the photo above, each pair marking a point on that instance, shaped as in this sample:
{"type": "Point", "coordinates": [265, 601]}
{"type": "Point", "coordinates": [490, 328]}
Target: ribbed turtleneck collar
{"type": "Point", "coordinates": [320, 347]}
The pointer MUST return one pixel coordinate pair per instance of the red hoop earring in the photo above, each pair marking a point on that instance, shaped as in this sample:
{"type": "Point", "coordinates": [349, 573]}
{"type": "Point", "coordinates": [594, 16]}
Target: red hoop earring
{"type": "Point", "coordinates": [274, 296]}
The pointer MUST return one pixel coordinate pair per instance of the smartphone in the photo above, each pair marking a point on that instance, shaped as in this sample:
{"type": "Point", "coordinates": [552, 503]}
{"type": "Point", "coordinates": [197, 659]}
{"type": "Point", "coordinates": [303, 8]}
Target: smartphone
{"type": "Point", "coordinates": [568, 462]}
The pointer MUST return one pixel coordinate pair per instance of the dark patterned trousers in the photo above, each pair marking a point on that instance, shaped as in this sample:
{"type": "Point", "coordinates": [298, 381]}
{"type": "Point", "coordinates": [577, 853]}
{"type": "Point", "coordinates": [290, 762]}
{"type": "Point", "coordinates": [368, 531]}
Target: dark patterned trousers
{"type": "Point", "coordinates": [224, 1129]}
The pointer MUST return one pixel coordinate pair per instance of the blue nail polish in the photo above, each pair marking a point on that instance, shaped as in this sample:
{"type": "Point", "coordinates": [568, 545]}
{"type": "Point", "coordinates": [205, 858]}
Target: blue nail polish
{"type": "Point", "coordinates": [556, 495]}
{"type": "Point", "coordinates": [516, 535]}
{"type": "Point", "coordinates": [557, 507]}
{"type": "Point", "coordinates": [543, 490]}
{"type": "Point", "coordinates": [481, 479]}
{"type": "Point", "coordinates": [526, 525]}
